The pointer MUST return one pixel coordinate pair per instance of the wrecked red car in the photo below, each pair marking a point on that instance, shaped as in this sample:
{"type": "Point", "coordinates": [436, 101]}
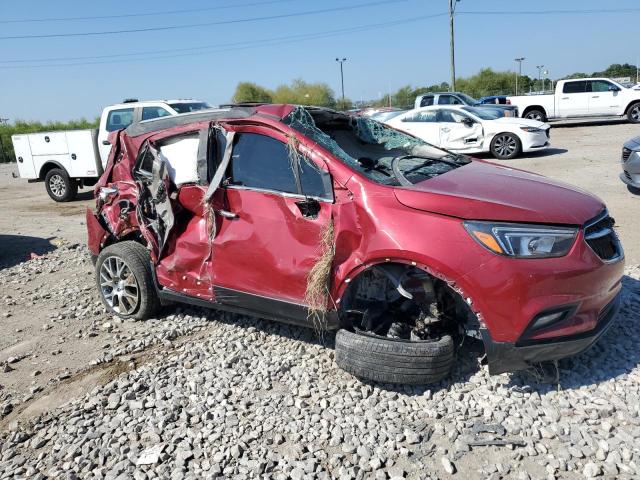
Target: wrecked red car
{"type": "Point", "coordinates": [312, 217]}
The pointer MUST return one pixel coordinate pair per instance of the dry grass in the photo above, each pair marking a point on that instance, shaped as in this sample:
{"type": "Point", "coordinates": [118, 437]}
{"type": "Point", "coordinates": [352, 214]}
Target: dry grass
{"type": "Point", "coordinates": [319, 280]}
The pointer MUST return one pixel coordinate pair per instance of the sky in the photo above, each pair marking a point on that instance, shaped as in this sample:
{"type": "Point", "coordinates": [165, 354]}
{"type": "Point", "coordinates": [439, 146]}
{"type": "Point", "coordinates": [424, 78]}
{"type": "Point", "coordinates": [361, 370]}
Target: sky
{"type": "Point", "coordinates": [387, 43]}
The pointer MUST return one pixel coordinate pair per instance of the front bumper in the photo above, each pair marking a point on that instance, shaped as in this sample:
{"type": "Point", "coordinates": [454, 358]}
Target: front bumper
{"type": "Point", "coordinates": [509, 356]}
{"type": "Point", "coordinates": [631, 165]}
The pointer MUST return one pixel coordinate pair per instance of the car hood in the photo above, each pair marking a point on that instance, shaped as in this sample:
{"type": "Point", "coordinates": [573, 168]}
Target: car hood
{"type": "Point", "coordinates": [521, 122]}
{"type": "Point", "coordinates": [483, 191]}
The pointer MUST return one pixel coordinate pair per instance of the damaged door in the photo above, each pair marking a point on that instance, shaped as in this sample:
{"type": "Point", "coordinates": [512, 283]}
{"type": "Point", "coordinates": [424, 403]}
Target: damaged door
{"type": "Point", "coordinates": [277, 206]}
{"type": "Point", "coordinates": [459, 131]}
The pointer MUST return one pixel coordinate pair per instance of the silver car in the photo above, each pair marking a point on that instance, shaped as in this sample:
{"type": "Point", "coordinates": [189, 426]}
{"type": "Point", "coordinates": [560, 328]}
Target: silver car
{"type": "Point", "coordinates": [631, 163]}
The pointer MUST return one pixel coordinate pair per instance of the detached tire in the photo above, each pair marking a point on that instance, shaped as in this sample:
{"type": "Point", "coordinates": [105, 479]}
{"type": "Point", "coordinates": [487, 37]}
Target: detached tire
{"type": "Point", "coordinates": [125, 282]}
{"type": "Point", "coordinates": [387, 360]}
{"type": "Point", "coordinates": [59, 186]}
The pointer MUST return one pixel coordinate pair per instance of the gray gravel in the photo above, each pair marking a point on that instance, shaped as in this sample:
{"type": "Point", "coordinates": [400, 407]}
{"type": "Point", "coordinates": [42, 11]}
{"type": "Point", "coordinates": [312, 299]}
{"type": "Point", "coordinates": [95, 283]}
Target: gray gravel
{"type": "Point", "coordinates": [255, 399]}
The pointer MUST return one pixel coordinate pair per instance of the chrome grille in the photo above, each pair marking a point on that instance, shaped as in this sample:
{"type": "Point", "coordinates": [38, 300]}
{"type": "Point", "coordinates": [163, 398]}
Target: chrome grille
{"type": "Point", "coordinates": [626, 153]}
{"type": "Point", "coordinates": [628, 175]}
{"type": "Point", "coordinates": [599, 235]}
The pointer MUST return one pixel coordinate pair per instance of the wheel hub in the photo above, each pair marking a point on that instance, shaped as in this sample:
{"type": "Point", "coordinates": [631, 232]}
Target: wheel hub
{"type": "Point", "coordinates": [57, 185]}
{"type": "Point", "coordinates": [118, 286]}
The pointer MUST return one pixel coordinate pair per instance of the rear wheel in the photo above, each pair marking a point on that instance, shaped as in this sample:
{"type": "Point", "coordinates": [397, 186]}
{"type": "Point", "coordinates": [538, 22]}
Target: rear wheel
{"type": "Point", "coordinates": [633, 114]}
{"type": "Point", "coordinates": [125, 282]}
{"type": "Point", "coordinates": [397, 361]}
{"type": "Point", "coordinates": [536, 114]}
{"type": "Point", "coordinates": [59, 186]}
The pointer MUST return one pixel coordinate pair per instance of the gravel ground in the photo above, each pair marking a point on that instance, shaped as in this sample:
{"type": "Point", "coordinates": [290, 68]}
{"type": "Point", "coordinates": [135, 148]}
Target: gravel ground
{"type": "Point", "coordinates": [251, 398]}
{"type": "Point", "coordinates": [201, 394]}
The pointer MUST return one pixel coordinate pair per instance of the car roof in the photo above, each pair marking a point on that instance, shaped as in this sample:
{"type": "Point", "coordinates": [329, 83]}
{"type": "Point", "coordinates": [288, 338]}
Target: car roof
{"type": "Point", "coordinates": [147, 102]}
{"type": "Point", "coordinates": [231, 112]}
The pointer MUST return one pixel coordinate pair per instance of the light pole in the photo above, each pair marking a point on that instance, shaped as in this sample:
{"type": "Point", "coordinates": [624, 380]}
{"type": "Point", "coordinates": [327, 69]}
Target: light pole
{"type": "Point", "coordinates": [452, 11]}
{"type": "Point", "coordinates": [539, 67]}
{"type": "Point", "coordinates": [341, 61]}
{"type": "Point", "coordinates": [519, 60]}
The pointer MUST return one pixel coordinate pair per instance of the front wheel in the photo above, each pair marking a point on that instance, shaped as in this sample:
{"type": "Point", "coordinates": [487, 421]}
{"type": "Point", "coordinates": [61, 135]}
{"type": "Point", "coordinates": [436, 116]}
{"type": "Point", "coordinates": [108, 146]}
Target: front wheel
{"type": "Point", "coordinates": [634, 113]}
{"type": "Point", "coordinates": [59, 186]}
{"type": "Point", "coordinates": [125, 282]}
{"type": "Point", "coordinates": [506, 146]}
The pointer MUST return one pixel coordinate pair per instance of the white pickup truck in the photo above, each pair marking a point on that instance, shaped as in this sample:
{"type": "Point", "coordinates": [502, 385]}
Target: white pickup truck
{"type": "Point", "coordinates": [581, 97]}
{"type": "Point", "coordinates": [67, 160]}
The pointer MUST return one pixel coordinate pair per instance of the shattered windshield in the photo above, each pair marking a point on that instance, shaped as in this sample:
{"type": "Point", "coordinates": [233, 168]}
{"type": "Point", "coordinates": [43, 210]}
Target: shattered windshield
{"type": "Point", "coordinates": [379, 152]}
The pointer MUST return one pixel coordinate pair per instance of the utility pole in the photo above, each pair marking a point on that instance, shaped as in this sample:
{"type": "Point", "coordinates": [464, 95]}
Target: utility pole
{"type": "Point", "coordinates": [3, 156]}
{"type": "Point", "coordinates": [341, 61]}
{"type": "Point", "coordinates": [519, 60]}
{"type": "Point", "coordinates": [452, 11]}
{"type": "Point", "coordinates": [539, 67]}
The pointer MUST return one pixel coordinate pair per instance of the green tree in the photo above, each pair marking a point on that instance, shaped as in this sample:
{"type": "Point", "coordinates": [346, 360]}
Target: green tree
{"type": "Point", "coordinates": [251, 92]}
{"type": "Point", "coordinates": [304, 93]}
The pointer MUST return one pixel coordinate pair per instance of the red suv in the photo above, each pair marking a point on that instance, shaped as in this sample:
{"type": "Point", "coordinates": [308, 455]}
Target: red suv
{"type": "Point", "coordinates": [310, 216]}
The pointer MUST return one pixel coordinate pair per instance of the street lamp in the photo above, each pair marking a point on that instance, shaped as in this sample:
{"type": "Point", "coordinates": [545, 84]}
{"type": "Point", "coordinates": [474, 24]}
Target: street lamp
{"type": "Point", "coordinates": [341, 61]}
{"type": "Point", "coordinates": [539, 67]}
{"type": "Point", "coordinates": [519, 60]}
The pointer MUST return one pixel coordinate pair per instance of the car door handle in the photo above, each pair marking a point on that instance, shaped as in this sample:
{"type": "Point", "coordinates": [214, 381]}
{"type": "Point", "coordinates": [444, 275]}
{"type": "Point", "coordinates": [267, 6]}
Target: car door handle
{"type": "Point", "coordinates": [596, 96]}
{"type": "Point", "coordinates": [227, 214]}
{"type": "Point", "coordinates": [445, 129]}
{"type": "Point", "coordinates": [106, 142]}
{"type": "Point", "coordinates": [309, 207]}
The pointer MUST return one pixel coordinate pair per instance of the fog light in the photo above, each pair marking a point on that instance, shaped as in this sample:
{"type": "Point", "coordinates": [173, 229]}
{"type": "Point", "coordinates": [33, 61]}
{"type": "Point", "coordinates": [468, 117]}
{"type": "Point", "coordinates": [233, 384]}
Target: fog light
{"type": "Point", "coordinates": [544, 321]}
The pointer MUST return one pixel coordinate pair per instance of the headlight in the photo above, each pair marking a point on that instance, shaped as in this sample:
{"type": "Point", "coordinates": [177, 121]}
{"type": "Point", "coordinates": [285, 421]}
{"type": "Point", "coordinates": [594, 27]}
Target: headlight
{"type": "Point", "coordinates": [532, 129]}
{"type": "Point", "coordinates": [523, 241]}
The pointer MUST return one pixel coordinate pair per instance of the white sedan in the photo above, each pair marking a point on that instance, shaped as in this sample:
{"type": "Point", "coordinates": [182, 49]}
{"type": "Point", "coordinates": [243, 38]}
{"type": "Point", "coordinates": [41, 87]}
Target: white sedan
{"type": "Point", "coordinates": [464, 129]}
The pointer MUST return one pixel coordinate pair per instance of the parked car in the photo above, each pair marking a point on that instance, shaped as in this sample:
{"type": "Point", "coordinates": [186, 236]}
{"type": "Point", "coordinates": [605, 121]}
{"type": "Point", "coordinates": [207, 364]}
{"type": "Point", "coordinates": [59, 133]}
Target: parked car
{"type": "Point", "coordinates": [384, 116]}
{"type": "Point", "coordinates": [494, 100]}
{"type": "Point", "coordinates": [474, 130]}
{"type": "Point", "coordinates": [67, 160]}
{"type": "Point", "coordinates": [631, 163]}
{"type": "Point", "coordinates": [313, 217]}
{"type": "Point", "coordinates": [581, 98]}
{"type": "Point", "coordinates": [458, 98]}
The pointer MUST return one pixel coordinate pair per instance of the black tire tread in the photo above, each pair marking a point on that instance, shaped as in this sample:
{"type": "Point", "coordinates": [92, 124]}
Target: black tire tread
{"type": "Point", "coordinates": [517, 152]}
{"type": "Point", "coordinates": [390, 361]}
{"type": "Point", "coordinates": [139, 261]}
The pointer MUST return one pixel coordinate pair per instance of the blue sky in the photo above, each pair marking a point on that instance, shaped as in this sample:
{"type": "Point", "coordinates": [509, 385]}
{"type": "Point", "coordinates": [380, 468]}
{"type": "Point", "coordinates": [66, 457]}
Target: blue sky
{"type": "Point", "coordinates": [379, 59]}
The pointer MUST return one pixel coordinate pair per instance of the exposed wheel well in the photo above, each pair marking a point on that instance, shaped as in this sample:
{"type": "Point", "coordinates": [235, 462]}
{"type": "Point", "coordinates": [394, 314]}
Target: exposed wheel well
{"type": "Point", "coordinates": [384, 296]}
{"type": "Point", "coordinates": [47, 167]}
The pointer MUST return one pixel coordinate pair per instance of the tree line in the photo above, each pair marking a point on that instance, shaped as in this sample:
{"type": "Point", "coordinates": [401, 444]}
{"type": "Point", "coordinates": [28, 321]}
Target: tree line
{"type": "Point", "coordinates": [300, 92]}
{"type": "Point", "coordinates": [21, 126]}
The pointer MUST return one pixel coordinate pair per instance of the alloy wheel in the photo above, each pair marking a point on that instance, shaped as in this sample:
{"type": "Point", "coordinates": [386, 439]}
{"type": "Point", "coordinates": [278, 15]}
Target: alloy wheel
{"type": "Point", "coordinates": [57, 185]}
{"type": "Point", "coordinates": [635, 113]}
{"type": "Point", "coordinates": [505, 145]}
{"type": "Point", "coordinates": [119, 286]}
{"type": "Point", "coordinates": [534, 116]}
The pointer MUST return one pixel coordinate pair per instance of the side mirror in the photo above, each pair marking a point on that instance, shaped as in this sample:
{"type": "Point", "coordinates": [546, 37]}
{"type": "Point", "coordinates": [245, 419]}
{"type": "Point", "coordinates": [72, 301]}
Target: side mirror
{"type": "Point", "coordinates": [614, 88]}
{"type": "Point", "coordinates": [468, 122]}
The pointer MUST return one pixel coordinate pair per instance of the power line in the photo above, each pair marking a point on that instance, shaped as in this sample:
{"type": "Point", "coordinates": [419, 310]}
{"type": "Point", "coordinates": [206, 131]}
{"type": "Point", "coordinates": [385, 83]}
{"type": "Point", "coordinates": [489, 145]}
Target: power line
{"type": "Point", "coordinates": [148, 14]}
{"type": "Point", "coordinates": [225, 46]}
{"type": "Point", "coordinates": [204, 24]}
{"type": "Point", "coordinates": [550, 12]}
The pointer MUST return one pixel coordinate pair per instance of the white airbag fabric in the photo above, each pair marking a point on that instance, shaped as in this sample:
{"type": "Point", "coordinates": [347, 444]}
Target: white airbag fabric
{"type": "Point", "coordinates": [181, 157]}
